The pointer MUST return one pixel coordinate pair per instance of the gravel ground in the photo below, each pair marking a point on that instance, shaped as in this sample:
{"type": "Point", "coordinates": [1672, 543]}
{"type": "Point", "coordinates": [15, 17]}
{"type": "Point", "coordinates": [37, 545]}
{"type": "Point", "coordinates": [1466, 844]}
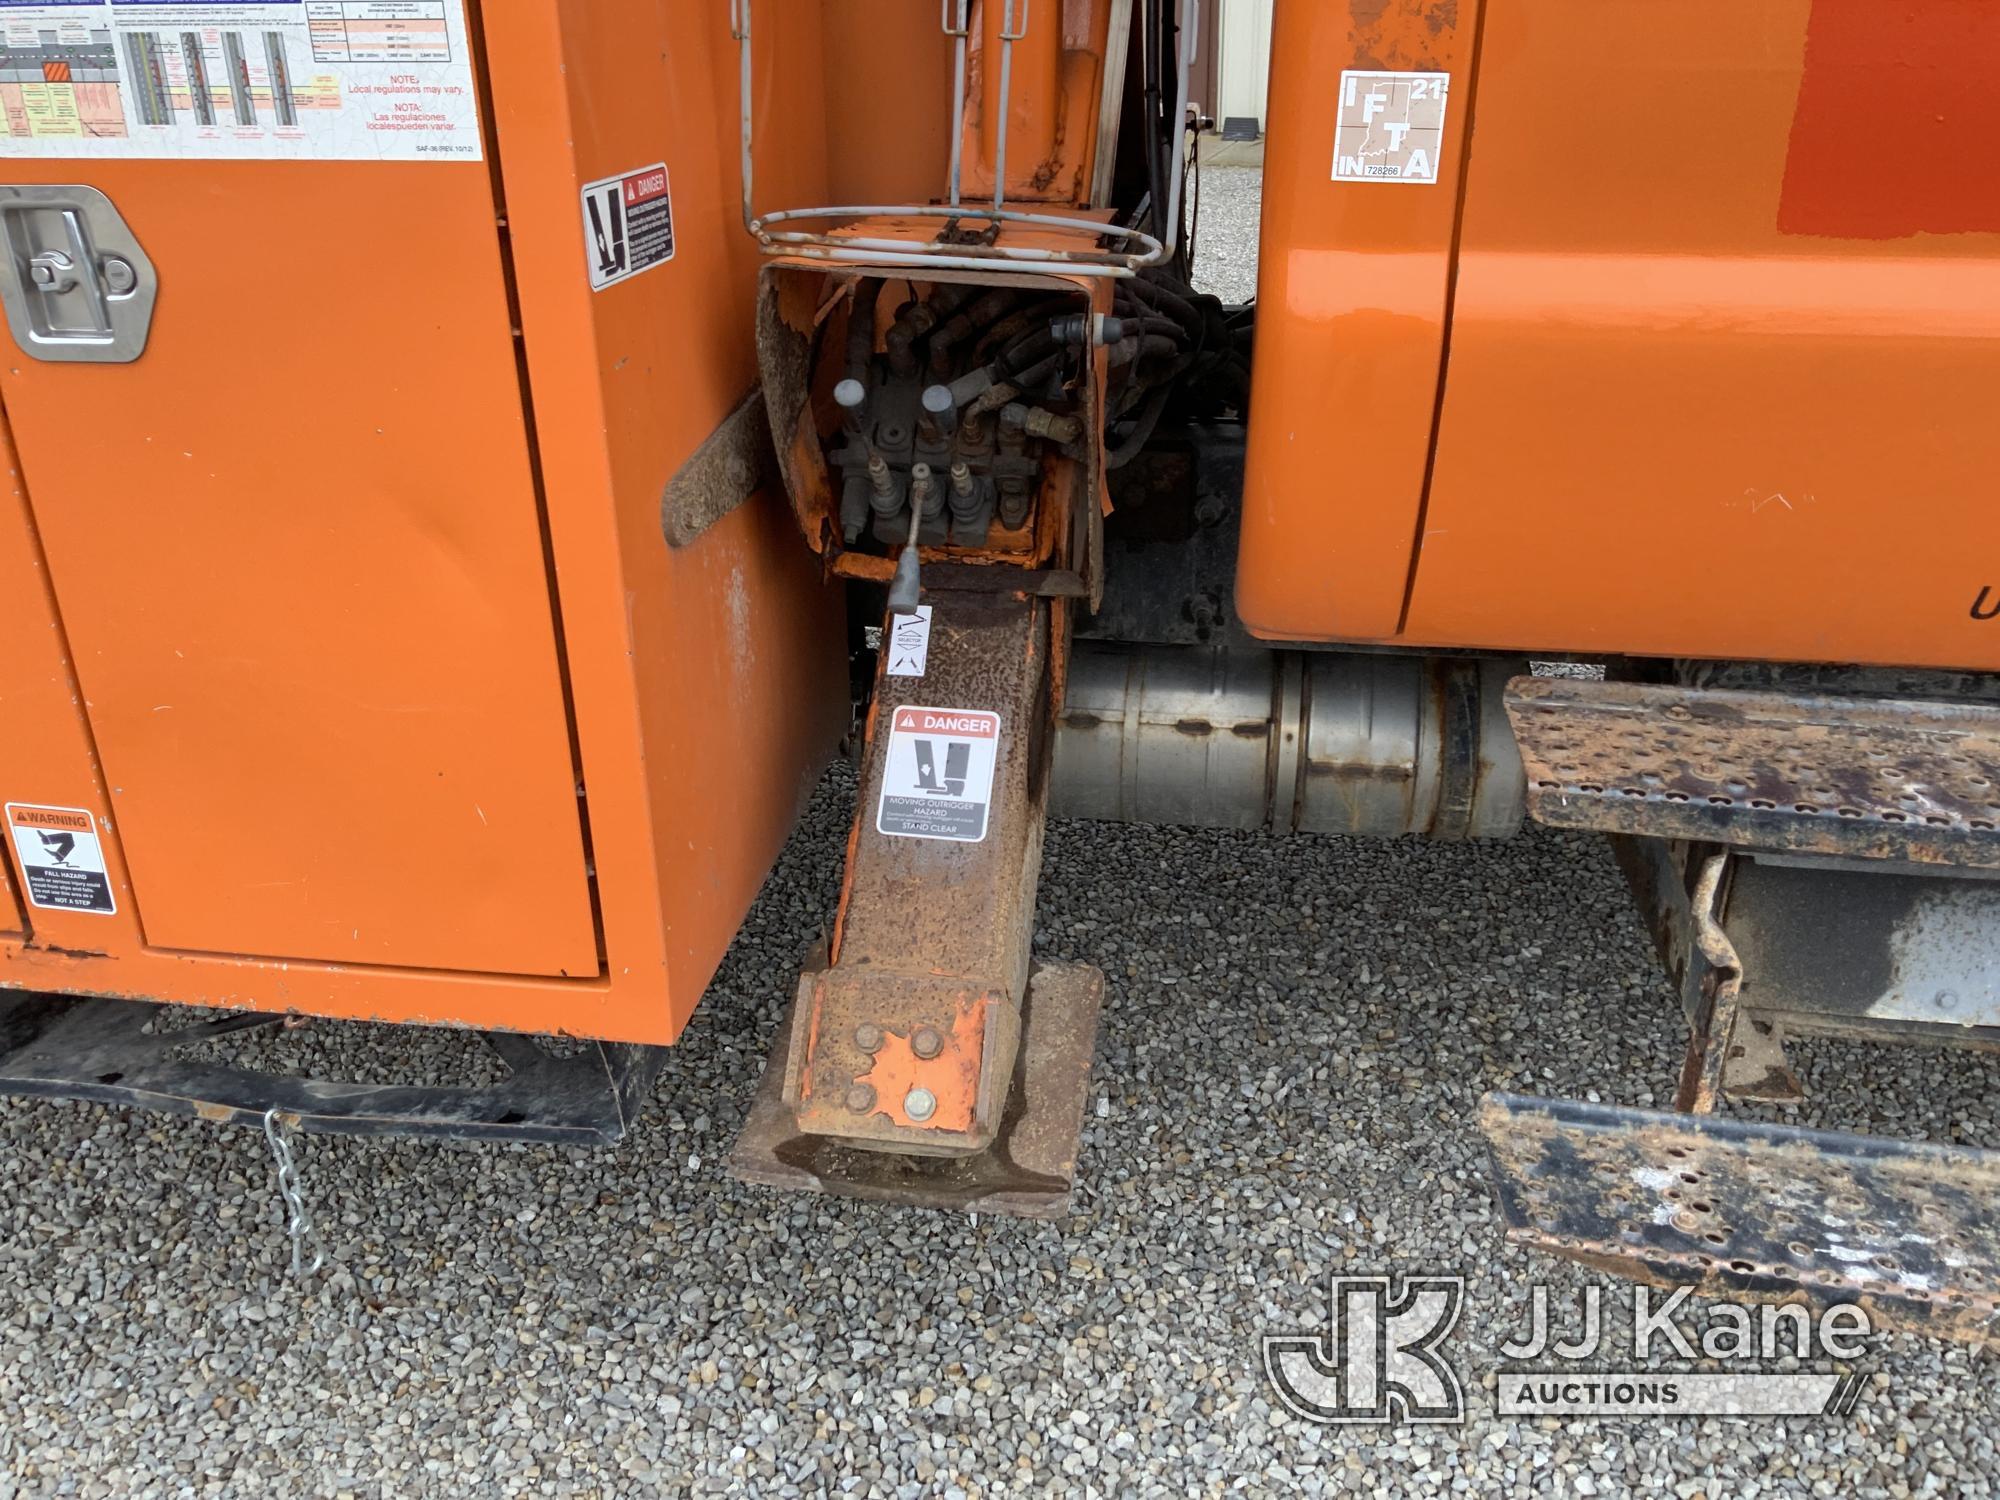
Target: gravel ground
{"type": "Point", "coordinates": [1294, 1035]}
{"type": "Point", "coordinates": [1225, 241]}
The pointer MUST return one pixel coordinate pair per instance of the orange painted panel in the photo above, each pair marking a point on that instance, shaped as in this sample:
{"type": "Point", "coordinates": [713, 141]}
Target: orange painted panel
{"type": "Point", "coordinates": [46, 755]}
{"type": "Point", "coordinates": [11, 917]}
{"type": "Point", "coordinates": [710, 680]}
{"type": "Point", "coordinates": [297, 554]}
{"type": "Point", "coordinates": [1352, 287]}
{"type": "Point", "coordinates": [1725, 336]}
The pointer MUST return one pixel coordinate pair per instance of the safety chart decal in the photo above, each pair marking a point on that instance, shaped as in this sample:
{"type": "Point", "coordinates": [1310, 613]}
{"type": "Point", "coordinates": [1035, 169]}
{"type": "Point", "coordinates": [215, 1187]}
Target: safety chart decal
{"type": "Point", "coordinates": [62, 860]}
{"type": "Point", "coordinates": [1391, 127]}
{"type": "Point", "coordinates": [628, 225]}
{"type": "Point", "coordinates": [937, 774]}
{"type": "Point", "coordinates": [306, 80]}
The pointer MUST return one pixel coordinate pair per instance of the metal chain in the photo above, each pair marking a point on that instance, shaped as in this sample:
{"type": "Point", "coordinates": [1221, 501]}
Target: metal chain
{"type": "Point", "coordinates": [298, 1219]}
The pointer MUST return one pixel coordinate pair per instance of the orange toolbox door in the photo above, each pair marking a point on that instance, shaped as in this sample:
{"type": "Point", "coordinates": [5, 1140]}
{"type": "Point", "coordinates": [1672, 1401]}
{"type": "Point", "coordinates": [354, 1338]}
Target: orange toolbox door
{"type": "Point", "coordinates": [296, 544]}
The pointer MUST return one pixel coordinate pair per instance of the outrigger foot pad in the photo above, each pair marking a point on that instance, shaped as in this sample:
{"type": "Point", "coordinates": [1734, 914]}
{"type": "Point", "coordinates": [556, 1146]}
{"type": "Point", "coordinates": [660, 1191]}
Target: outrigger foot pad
{"type": "Point", "coordinates": [1028, 1170]}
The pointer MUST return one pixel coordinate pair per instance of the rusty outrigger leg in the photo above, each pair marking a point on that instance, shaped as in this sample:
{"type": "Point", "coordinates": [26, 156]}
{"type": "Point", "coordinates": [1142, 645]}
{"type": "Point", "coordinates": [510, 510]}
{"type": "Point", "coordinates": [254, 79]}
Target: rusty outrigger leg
{"type": "Point", "coordinates": [922, 1062]}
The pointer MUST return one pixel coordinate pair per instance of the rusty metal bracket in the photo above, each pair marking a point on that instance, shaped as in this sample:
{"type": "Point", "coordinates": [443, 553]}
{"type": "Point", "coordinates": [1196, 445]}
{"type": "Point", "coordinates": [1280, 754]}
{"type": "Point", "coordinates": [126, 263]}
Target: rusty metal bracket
{"type": "Point", "coordinates": [1874, 778]}
{"type": "Point", "coordinates": [732, 464]}
{"type": "Point", "coordinates": [1029, 1168]}
{"type": "Point", "coordinates": [1712, 1026]}
{"type": "Point", "coordinates": [1905, 1228]}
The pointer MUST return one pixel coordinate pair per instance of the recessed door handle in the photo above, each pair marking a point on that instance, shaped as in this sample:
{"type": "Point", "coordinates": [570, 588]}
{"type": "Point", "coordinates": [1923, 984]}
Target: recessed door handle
{"type": "Point", "coordinates": [75, 283]}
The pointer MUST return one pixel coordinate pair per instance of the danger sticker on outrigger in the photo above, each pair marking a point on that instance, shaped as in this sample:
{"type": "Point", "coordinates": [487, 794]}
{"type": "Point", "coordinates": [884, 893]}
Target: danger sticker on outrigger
{"type": "Point", "coordinates": [937, 774]}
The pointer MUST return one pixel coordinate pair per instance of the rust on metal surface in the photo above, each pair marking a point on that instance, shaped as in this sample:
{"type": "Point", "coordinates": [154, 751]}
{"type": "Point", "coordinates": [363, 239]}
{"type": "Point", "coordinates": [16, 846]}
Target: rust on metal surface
{"type": "Point", "coordinates": [1712, 1027]}
{"type": "Point", "coordinates": [932, 933]}
{"type": "Point", "coordinates": [1876, 778]}
{"type": "Point", "coordinates": [1029, 1167]}
{"type": "Point", "coordinates": [953, 569]}
{"type": "Point", "coordinates": [130, 1053]}
{"type": "Point", "coordinates": [1905, 1229]}
{"type": "Point", "coordinates": [802, 313]}
{"type": "Point", "coordinates": [732, 464]}
{"type": "Point", "coordinates": [1659, 874]}
{"type": "Point", "coordinates": [1889, 953]}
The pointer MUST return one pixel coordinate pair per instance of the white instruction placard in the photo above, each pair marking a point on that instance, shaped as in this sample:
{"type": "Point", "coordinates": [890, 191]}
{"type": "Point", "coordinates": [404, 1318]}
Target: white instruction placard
{"type": "Point", "coordinates": [62, 860]}
{"type": "Point", "coordinates": [907, 643]}
{"type": "Point", "coordinates": [937, 773]}
{"type": "Point", "coordinates": [280, 80]}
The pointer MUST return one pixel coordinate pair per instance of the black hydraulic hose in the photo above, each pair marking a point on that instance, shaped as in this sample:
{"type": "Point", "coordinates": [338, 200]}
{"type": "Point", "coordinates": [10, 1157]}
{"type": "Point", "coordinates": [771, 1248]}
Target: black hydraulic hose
{"type": "Point", "coordinates": [861, 328]}
{"type": "Point", "coordinates": [1015, 324]}
{"type": "Point", "coordinates": [1171, 328]}
{"type": "Point", "coordinates": [988, 388]}
{"type": "Point", "coordinates": [1132, 350]}
{"type": "Point", "coordinates": [1142, 432]}
{"type": "Point", "coordinates": [1166, 300]}
{"type": "Point", "coordinates": [981, 312]}
{"type": "Point", "coordinates": [1025, 350]}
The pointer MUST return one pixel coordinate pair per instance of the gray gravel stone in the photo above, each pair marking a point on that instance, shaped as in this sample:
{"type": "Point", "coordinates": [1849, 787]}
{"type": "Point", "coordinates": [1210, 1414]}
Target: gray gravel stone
{"type": "Point", "coordinates": [1295, 1034]}
{"type": "Point", "coordinates": [1225, 231]}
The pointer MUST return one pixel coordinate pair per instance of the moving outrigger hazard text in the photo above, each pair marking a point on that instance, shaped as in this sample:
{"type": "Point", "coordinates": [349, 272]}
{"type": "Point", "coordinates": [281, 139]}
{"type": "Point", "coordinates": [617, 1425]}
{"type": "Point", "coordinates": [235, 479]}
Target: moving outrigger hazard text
{"type": "Point", "coordinates": [937, 774]}
{"type": "Point", "coordinates": [628, 225]}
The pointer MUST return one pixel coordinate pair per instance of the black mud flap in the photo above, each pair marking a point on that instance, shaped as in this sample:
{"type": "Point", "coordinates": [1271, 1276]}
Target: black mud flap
{"type": "Point", "coordinates": [1906, 1230]}
{"type": "Point", "coordinates": [118, 1052]}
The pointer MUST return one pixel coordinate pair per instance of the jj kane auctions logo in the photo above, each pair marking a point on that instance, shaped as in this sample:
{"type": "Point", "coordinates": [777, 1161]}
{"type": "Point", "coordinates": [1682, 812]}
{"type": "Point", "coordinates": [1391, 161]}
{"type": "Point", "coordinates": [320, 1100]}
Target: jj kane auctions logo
{"type": "Point", "coordinates": [1382, 1357]}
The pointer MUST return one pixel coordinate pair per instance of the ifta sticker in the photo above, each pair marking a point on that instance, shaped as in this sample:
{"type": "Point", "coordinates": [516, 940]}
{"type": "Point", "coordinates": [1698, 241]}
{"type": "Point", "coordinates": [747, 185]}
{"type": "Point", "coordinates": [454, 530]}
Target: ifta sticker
{"type": "Point", "coordinates": [62, 862]}
{"type": "Point", "coordinates": [1391, 127]}
{"type": "Point", "coordinates": [937, 774]}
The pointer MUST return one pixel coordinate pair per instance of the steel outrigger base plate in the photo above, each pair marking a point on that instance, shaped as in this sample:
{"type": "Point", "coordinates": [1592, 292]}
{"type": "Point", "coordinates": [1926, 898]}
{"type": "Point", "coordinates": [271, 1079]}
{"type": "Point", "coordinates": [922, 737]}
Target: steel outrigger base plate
{"type": "Point", "coordinates": [114, 1052]}
{"type": "Point", "coordinates": [1031, 1165]}
{"type": "Point", "coordinates": [1904, 1228]}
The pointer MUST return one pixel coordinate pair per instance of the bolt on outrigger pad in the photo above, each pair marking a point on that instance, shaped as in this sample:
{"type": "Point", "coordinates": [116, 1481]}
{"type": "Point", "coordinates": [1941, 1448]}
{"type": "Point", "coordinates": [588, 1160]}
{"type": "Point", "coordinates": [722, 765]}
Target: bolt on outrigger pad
{"type": "Point", "coordinates": [921, 1063]}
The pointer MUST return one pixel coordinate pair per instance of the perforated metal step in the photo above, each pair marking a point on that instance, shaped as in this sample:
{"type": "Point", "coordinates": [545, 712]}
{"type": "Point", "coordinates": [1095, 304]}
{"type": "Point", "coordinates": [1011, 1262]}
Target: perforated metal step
{"type": "Point", "coordinates": [1723, 1204]}
{"type": "Point", "coordinates": [1876, 778]}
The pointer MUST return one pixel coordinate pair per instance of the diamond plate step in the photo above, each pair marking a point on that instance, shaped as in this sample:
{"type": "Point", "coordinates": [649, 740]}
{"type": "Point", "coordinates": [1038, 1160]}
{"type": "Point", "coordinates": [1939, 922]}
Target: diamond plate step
{"type": "Point", "coordinates": [1871, 778]}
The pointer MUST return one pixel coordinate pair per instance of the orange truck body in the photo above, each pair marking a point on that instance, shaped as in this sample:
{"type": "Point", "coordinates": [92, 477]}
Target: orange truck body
{"type": "Point", "coordinates": [1691, 349]}
{"type": "Point", "coordinates": [346, 614]}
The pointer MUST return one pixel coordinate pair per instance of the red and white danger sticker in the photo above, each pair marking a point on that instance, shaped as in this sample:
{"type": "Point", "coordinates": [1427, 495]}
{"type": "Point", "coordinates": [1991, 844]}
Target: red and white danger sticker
{"type": "Point", "coordinates": [628, 225]}
{"type": "Point", "coordinates": [62, 861]}
{"type": "Point", "coordinates": [937, 774]}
